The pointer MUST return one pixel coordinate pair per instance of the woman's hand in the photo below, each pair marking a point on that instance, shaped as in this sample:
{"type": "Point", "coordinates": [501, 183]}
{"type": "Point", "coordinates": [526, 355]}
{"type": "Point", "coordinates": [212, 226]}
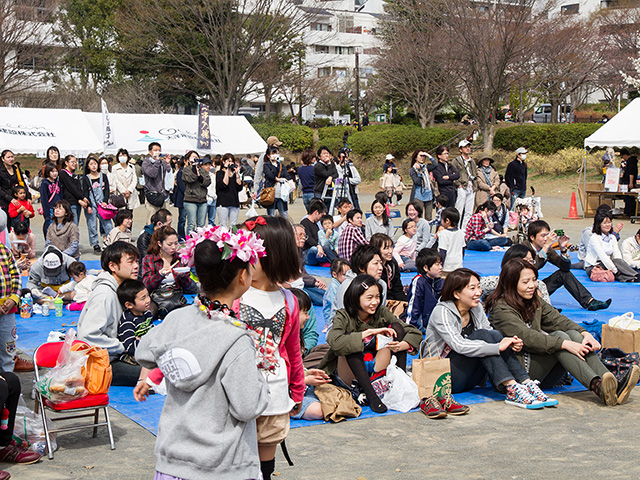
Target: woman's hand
{"type": "Point", "coordinates": [507, 342]}
{"type": "Point", "coordinates": [127, 194]}
{"type": "Point", "coordinates": [578, 349]}
{"type": "Point", "coordinates": [89, 210]}
{"type": "Point", "coordinates": [316, 377]}
{"type": "Point", "coordinates": [389, 332]}
{"type": "Point", "coordinates": [141, 391]}
{"type": "Point", "coordinates": [104, 204]}
{"type": "Point", "coordinates": [590, 342]}
{"type": "Point", "coordinates": [165, 271]}
{"type": "Point", "coordinates": [398, 346]}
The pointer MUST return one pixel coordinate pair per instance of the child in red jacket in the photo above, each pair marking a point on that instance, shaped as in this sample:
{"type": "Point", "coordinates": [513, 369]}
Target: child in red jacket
{"type": "Point", "coordinates": [23, 210]}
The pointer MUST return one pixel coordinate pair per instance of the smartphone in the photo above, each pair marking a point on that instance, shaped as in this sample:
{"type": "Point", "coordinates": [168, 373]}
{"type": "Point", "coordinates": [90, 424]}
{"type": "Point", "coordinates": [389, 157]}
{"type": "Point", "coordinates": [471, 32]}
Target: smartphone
{"type": "Point", "coordinates": [560, 233]}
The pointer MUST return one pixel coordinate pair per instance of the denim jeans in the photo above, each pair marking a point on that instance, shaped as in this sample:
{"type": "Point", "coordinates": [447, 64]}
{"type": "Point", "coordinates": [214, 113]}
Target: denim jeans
{"type": "Point", "coordinates": [311, 256]}
{"type": "Point", "coordinates": [228, 216]}
{"type": "Point", "coordinates": [47, 222]}
{"type": "Point", "coordinates": [487, 244]}
{"type": "Point", "coordinates": [315, 294]}
{"type": "Point", "coordinates": [196, 215]}
{"type": "Point", "coordinates": [467, 372]}
{"type": "Point", "coordinates": [7, 341]}
{"type": "Point", "coordinates": [92, 225]}
{"type": "Point", "coordinates": [306, 199]}
{"type": "Point", "coordinates": [76, 210]}
{"type": "Point", "coordinates": [211, 213]}
{"type": "Point", "coordinates": [516, 194]}
{"type": "Point", "coordinates": [281, 206]}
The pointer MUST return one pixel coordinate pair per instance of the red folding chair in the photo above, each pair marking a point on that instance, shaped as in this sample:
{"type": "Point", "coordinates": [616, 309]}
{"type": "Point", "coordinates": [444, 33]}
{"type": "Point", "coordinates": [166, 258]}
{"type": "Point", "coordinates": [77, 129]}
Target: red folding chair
{"type": "Point", "coordinates": [46, 356]}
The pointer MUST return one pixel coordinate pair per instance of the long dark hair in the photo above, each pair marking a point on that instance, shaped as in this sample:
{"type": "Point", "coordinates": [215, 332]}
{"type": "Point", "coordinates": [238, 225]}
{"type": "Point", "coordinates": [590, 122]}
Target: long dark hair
{"type": "Point", "coordinates": [507, 290]}
{"type": "Point", "coordinates": [358, 286]}
{"type": "Point", "coordinates": [159, 236]}
{"type": "Point", "coordinates": [385, 217]}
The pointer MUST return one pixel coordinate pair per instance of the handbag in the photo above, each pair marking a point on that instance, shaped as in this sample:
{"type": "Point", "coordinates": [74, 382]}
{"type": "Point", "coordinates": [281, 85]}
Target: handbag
{"type": "Point", "coordinates": [617, 361]}
{"type": "Point", "coordinates": [268, 196]}
{"type": "Point", "coordinates": [154, 198]}
{"type": "Point", "coordinates": [107, 212]}
{"type": "Point", "coordinates": [599, 274]}
{"type": "Point", "coordinates": [431, 374]}
{"type": "Point", "coordinates": [168, 299]}
{"type": "Point", "coordinates": [117, 201]}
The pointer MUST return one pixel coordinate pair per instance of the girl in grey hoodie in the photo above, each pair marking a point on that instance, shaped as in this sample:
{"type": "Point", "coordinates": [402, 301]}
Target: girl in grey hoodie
{"type": "Point", "coordinates": [214, 391]}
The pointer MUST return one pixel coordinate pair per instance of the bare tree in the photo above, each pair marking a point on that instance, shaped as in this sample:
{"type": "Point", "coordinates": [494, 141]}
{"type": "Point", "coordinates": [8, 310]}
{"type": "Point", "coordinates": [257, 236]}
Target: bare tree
{"type": "Point", "coordinates": [23, 51]}
{"type": "Point", "coordinates": [212, 47]}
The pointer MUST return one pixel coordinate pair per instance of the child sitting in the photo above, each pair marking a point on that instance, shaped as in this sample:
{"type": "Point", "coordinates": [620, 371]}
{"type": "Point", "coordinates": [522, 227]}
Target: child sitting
{"type": "Point", "coordinates": [525, 217]}
{"type": "Point", "coordinates": [214, 395]}
{"type": "Point", "coordinates": [136, 318]}
{"type": "Point", "coordinates": [441, 202]}
{"type": "Point", "coordinates": [339, 268]}
{"type": "Point", "coordinates": [21, 210]}
{"type": "Point", "coordinates": [425, 288]}
{"type": "Point", "coordinates": [23, 245]}
{"type": "Point", "coordinates": [451, 241]}
{"type": "Point", "coordinates": [327, 236]}
{"type": "Point", "coordinates": [63, 233]}
{"type": "Point", "coordinates": [122, 230]}
{"type": "Point", "coordinates": [80, 288]}
{"type": "Point", "coordinates": [405, 250]}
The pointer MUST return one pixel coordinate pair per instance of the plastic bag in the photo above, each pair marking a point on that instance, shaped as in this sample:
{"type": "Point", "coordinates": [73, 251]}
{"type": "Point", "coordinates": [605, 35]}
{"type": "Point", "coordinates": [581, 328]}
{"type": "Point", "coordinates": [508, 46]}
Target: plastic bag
{"type": "Point", "coordinates": [28, 429]}
{"type": "Point", "coordinates": [403, 392]}
{"type": "Point", "coordinates": [252, 210]}
{"type": "Point", "coordinates": [65, 381]}
{"type": "Point", "coordinates": [625, 321]}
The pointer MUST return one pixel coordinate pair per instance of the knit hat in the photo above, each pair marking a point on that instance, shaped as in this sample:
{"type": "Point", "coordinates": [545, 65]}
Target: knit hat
{"type": "Point", "coordinates": [52, 261]}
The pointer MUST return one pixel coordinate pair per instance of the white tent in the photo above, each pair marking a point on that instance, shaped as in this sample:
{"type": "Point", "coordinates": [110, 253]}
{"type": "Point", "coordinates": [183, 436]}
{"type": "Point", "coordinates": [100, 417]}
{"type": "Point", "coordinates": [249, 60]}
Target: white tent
{"type": "Point", "coordinates": [623, 130]}
{"type": "Point", "coordinates": [34, 130]}
{"type": "Point", "coordinates": [177, 133]}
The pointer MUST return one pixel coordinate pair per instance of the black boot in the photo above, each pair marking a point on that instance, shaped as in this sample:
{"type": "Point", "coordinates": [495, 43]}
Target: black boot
{"type": "Point", "coordinates": [356, 363]}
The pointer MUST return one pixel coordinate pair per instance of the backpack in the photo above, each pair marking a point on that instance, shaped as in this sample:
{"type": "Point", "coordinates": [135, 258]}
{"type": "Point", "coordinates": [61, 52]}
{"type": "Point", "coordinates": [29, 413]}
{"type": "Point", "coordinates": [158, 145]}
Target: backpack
{"type": "Point", "coordinates": [97, 371]}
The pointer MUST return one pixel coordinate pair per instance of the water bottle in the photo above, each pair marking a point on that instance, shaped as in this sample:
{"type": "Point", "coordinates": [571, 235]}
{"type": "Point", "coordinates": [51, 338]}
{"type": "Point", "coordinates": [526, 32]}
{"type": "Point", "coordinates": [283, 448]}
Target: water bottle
{"type": "Point", "coordinates": [45, 309]}
{"type": "Point", "coordinates": [26, 306]}
{"type": "Point", "coordinates": [58, 305]}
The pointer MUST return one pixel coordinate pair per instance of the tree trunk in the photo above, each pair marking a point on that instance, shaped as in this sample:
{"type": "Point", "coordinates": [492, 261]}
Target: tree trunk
{"type": "Point", "coordinates": [488, 134]}
{"type": "Point", "coordinates": [554, 109]}
{"type": "Point", "coordinates": [267, 101]}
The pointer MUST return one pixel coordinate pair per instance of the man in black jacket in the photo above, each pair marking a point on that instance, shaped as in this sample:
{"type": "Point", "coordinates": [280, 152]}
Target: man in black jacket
{"type": "Point", "coordinates": [540, 238]}
{"type": "Point", "coordinates": [516, 176]}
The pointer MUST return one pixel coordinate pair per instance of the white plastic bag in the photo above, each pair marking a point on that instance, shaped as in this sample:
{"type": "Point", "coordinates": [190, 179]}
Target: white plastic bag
{"type": "Point", "coordinates": [403, 392]}
{"type": "Point", "coordinates": [28, 429]}
{"type": "Point", "coordinates": [252, 210]}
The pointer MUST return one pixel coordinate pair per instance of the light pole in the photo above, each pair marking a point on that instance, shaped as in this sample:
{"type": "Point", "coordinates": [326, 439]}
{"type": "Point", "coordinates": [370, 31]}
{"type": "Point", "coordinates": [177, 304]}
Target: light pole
{"type": "Point", "coordinates": [358, 88]}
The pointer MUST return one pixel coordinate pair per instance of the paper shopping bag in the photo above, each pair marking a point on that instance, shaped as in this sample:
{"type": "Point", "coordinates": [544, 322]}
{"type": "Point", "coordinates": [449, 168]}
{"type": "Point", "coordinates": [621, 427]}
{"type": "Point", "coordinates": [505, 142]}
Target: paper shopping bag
{"type": "Point", "coordinates": [432, 375]}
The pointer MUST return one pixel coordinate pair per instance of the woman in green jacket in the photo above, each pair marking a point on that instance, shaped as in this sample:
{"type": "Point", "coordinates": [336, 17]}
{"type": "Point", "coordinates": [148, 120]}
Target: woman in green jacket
{"type": "Point", "coordinates": [354, 332]}
{"type": "Point", "coordinates": [552, 342]}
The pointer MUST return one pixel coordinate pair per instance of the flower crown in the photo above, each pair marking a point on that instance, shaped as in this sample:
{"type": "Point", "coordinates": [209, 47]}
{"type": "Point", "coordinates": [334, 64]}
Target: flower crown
{"type": "Point", "coordinates": [247, 246]}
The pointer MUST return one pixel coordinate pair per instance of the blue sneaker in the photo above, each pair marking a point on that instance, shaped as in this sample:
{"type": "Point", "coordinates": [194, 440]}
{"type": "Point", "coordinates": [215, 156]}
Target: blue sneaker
{"type": "Point", "coordinates": [518, 395]}
{"type": "Point", "coordinates": [534, 389]}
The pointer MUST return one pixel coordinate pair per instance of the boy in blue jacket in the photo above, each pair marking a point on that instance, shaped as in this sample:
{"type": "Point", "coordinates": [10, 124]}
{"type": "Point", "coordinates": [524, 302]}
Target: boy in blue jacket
{"type": "Point", "coordinates": [425, 288]}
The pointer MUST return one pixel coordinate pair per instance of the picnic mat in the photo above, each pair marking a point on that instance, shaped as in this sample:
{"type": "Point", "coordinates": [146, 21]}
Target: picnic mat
{"type": "Point", "coordinates": [34, 331]}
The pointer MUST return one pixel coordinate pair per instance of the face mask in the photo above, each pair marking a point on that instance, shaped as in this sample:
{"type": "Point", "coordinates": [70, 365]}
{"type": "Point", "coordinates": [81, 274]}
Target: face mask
{"type": "Point", "coordinates": [104, 168]}
{"type": "Point", "coordinates": [523, 156]}
{"type": "Point", "coordinates": [122, 159]}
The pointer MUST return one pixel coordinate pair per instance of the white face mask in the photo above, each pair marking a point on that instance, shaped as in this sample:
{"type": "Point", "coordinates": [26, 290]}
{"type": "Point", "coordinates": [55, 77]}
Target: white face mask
{"type": "Point", "coordinates": [523, 156]}
{"type": "Point", "coordinates": [122, 159]}
{"type": "Point", "coordinates": [104, 168]}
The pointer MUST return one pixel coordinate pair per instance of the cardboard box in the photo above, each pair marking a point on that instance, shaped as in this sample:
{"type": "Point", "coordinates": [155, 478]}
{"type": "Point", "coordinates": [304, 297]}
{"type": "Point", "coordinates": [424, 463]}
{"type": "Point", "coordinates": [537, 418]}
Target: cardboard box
{"type": "Point", "coordinates": [626, 340]}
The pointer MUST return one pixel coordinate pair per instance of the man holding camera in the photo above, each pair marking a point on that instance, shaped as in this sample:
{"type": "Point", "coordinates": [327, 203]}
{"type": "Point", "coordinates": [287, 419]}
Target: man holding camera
{"type": "Point", "coordinates": [540, 238]}
{"type": "Point", "coordinates": [154, 168]}
{"type": "Point", "coordinates": [349, 175]}
{"type": "Point", "coordinates": [467, 185]}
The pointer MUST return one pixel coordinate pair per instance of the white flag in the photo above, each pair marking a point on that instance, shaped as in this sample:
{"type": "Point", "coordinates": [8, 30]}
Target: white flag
{"type": "Point", "coordinates": [107, 130]}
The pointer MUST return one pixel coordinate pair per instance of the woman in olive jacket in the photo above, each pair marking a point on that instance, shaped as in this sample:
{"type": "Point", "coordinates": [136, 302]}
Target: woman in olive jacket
{"type": "Point", "coordinates": [552, 342]}
{"type": "Point", "coordinates": [354, 332]}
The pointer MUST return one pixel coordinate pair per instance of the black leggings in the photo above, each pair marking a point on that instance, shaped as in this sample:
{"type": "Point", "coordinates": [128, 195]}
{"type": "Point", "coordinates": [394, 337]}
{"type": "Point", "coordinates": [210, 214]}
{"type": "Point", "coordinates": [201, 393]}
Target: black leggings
{"type": "Point", "coordinates": [9, 394]}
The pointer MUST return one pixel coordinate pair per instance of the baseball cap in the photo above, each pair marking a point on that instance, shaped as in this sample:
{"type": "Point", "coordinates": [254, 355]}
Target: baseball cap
{"type": "Point", "coordinates": [273, 140]}
{"type": "Point", "coordinates": [206, 160]}
{"type": "Point", "coordinates": [389, 157]}
{"type": "Point", "coordinates": [52, 262]}
{"type": "Point", "coordinates": [521, 150]}
{"type": "Point", "coordinates": [464, 143]}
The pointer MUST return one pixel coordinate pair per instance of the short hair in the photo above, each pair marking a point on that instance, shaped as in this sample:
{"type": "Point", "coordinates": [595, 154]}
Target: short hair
{"type": "Point", "coordinates": [91, 158]}
{"type": "Point", "coordinates": [597, 221]}
{"type": "Point", "coordinates": [498, 195]}
{"type": "Point", "coordinates": [154, 144]}
{"type": "Point", "coordinates": [307, 156]}
{"type": "Point", "coordinates": [66, 160]}
{"type": "Point", "coordinates": [426, 258]}
{"type": "Point", "coordinates": [338, 264]}
{"type": "Point", "coordinates": [122, 215]}
{"type": "Point", "coordinates": [456, 281]}
{"type": "Point", "coordinates": [16, 188]}
{"type": "Point", "coordinates": [317, 205]}
{"type": "Point", "coordinates": [415, 205]}
{"type": "Point", "coordinates": [128, 290]}
{"type": "Point", "coordinates": [76, 268]}
{"type": "Point", "coordinates": [519, 250]}
{"type": "Point", "coordinates": [536, 227]}
{"type": "Point", "coordinates": [380, 240]}
{"type": "Point", "coordinates": [123, 151]}
{"type": "Point", "coordinates": [48, 168]}
{"type": "Point", "coordinates": [352, 213]}
{"type": "Point", "coordinates": [361, 257]}
{"type": "Point", "coordinates": [113, 253]}
{"type": "Point", "coordinates": [322, 149]}
{"type": "Point", "coordinates": [159, 236]}
{"type": "Point", "coordinates": [68, 214]}
{"type": "Point", "coordinates": [21, 228]}
{"type": "Point", "coordinates": [405, 224]}
{"type": "Point", "coordinates": [52, 148]}
{"type": "Point", "coordinates": [441, 148]}
{"type": "Point", "coordinates": [452, 214]}
{"type": "Point", "coordinates": [624, 151]}
{"type": "Point", "coordinates": [324, 218]}
{"type": "Point", "coordinates": [214, 273]}
{"type": "Point", "coordinates": [523, 206]}
{"type": "Point", "coordinates": [442, 199]}
{"type": "Point", "coordinates": [638, 232]}
{"type": "Point", "coordinates": [358, 286]}
{"type": "Point", "coordinates": [160, 216]}
{"type": "Point", "coordinates": [282, 262]}
{"type": "Point", "coordinates": [304, 302]}
{"type": "Point", "coordinates": [343, 202]}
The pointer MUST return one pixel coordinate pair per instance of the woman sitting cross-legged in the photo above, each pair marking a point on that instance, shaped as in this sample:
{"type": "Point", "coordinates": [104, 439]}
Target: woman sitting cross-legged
{"type": "Point", "coordinates": [354, 332]}
{"type": "Point", "coordinates": [552, 344]}
{"type": "Point", "coordinates": [460, 331]}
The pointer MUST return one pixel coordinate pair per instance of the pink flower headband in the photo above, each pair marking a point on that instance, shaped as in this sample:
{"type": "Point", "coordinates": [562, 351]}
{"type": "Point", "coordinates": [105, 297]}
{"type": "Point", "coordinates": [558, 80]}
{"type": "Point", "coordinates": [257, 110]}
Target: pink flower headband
{"type": "Point", "coordinates": [247, 246]}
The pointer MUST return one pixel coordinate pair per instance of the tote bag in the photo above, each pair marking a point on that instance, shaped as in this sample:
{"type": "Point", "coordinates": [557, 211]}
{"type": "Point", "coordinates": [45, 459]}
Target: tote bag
{"type": "Point", "coordinates": [431, 374]}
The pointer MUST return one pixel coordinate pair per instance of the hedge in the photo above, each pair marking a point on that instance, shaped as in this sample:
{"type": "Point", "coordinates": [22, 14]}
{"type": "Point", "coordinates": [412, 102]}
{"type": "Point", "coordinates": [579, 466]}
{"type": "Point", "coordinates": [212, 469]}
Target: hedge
{"type": "Point", "coordinates": [544, 139]}
{"type": "Point", "coordinates": [294, 138]}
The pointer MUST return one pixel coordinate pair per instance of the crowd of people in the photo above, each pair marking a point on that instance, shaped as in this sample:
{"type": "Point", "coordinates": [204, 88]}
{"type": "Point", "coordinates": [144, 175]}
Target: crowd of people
{"type": "Point", "coordinates": [253, 295]}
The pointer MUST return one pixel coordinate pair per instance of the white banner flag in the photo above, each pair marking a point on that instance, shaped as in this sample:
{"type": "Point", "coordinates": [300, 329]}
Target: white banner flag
{"type": "Point", "coordinates": [107, 130]}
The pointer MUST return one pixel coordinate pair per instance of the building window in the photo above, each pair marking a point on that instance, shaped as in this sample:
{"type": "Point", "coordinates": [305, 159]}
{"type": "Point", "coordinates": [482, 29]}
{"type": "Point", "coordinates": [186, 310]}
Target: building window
{"type": "Point", "coordinates": [34, 10]}
{"type": "Point", "coordinates": [324, 72]}
{"type": "Point", "coordinates": [322, 49]}
{"type": "Point", "coordinates": [340, 72]}
{"type": "Point", "coordinates": [572, 9]}
{"type": "Point", "coordinates": [321, 27]}
{"type": "Point", "coordinates": [345, 23]}
{"type": "Point", "coordinates": [345, 50]}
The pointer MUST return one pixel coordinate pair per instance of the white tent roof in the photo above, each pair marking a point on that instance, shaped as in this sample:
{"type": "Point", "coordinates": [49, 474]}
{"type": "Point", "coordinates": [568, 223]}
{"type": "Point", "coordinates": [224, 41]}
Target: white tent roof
{"type": "Point", "coordinates": [623, 130]}
{"type": "Point", "coordinates": [177, 133]}
{"type": "Point", "coordinates": [34, 130]}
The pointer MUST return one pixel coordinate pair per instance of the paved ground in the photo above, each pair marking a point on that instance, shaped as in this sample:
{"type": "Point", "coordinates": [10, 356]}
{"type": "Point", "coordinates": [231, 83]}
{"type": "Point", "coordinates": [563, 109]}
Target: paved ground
{"type": "Point", "coordinates": [578, 439]}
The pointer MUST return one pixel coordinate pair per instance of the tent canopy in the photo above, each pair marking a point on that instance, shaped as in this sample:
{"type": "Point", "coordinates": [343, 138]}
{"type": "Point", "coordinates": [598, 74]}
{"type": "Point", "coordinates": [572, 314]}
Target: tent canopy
{"type": "Point", "coordinates": [34, 130]}
{"type": "Point", "coordinates": [177, 133]}
{"type": "Point", "coordinates": [621, 131]}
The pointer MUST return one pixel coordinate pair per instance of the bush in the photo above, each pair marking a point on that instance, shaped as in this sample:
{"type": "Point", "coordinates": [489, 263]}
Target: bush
{"type": "Point", "coordinates": [544, 139]}
{"type": "Point", "coordinates": [567, 160]}
{"type": "Point", "coordinates": [294, 138]}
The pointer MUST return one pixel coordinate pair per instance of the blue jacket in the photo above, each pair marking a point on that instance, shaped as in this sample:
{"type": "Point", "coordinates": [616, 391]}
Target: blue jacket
{"type": "Point", "coordinates": [423, 297]}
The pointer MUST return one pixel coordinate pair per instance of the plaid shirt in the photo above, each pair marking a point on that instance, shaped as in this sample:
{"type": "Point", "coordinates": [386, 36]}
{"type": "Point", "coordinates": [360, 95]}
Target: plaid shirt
{"type": "Point", "coordinates": [475, 228]}
{"type": "Point", "coordinates": [10, 281]}
{"type": "Point", "coordinates": [151, 266]}
{"type": "Point", "coordinates": [350, 238]}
